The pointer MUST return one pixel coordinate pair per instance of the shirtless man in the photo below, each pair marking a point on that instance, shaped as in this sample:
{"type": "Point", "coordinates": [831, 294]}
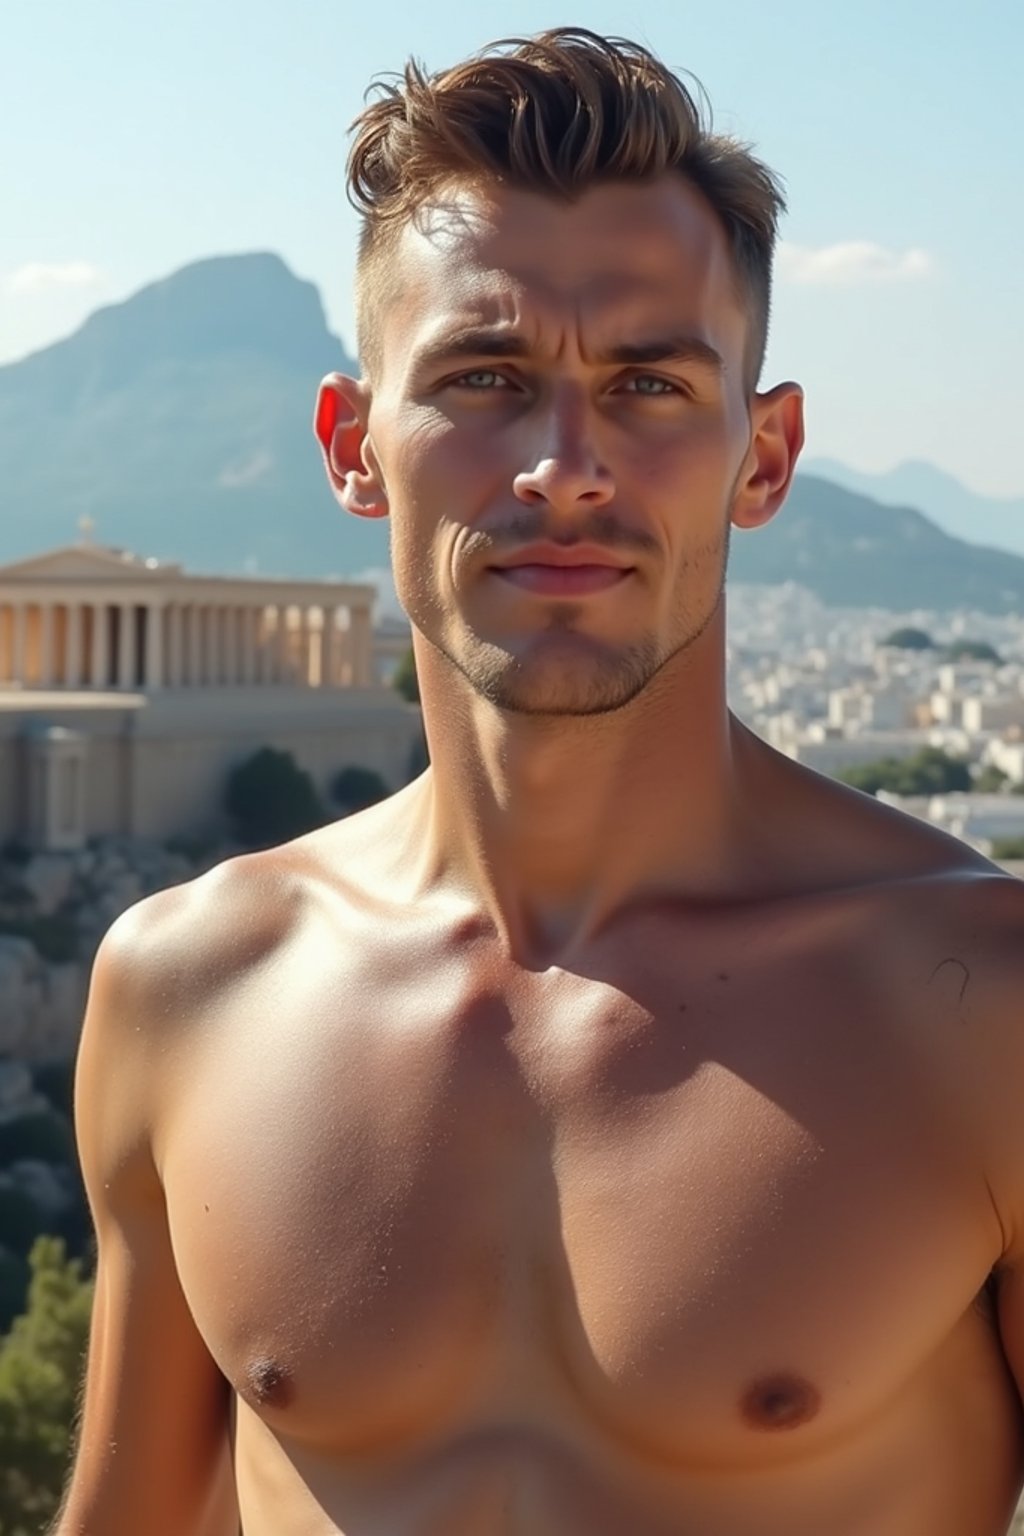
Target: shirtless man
{"type": "Point", "coordinates": [618, 1130]}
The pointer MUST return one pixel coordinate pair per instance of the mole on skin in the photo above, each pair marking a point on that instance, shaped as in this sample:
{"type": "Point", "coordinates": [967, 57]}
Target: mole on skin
{"type": "Point", "coordinates": [780, 1402]}
{"type": "Point", "coordinates": [269, 1383]}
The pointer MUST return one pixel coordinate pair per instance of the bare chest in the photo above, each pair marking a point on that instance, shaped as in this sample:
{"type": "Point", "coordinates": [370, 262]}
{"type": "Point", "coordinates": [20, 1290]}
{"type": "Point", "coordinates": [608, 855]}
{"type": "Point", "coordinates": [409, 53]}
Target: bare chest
{"type": "Point", "coordinates": [701, 1204]}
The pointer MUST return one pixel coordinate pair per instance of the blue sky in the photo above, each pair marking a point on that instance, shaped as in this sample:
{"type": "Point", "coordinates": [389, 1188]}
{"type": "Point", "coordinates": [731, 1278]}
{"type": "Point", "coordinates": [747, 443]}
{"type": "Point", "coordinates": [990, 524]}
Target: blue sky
{"type": "Point", "coordinates": [135, 138]}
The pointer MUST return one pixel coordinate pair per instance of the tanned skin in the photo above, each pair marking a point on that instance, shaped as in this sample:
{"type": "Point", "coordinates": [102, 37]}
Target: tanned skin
{"type": "Point", "coordinates": [618, 1130]}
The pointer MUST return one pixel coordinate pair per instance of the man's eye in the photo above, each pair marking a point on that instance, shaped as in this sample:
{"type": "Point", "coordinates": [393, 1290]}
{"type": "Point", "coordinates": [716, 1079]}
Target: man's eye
{"type": "Point", "coordinates": [661, 386]}
{"type": "Point", "coordinates": [472, 380]}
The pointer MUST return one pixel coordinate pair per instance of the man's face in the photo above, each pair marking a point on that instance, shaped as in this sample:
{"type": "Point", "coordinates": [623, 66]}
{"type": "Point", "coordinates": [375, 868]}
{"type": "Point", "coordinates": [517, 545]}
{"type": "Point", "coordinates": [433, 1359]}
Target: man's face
{"type": "Point", "coordinates": [484, 450]}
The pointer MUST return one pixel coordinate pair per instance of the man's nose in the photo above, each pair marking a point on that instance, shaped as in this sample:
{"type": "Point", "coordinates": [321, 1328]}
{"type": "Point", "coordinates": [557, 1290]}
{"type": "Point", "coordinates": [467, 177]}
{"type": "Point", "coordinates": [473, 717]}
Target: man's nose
{"type": "Point", "coordinates": [567, 470]}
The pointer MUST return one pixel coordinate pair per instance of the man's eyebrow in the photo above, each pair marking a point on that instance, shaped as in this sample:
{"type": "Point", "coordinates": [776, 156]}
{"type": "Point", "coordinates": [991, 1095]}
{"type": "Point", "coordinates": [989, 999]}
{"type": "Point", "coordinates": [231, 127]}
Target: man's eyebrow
{"type": "Point", "coordinates": [677, 348]}
{"type": "Point", "coordinates": [476, 342]}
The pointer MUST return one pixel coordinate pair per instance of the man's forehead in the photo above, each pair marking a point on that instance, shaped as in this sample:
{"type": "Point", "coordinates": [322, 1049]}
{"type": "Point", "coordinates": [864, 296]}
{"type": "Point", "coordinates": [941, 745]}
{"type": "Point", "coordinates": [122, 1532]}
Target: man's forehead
{"type": "Point", "coordinates": [521, 260]}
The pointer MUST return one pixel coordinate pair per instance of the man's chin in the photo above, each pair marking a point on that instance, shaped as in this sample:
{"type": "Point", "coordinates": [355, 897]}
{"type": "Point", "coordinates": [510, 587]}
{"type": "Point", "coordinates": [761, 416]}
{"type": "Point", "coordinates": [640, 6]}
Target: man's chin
{"type": "Point", "coordinates": [558, 698]}
{"type": "Point", "coordinates": [559, 674]}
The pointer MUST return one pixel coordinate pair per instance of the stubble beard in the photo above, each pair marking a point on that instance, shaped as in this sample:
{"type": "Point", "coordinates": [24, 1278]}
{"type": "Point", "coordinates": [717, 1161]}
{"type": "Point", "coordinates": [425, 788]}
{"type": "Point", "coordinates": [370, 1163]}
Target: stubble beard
{"type": "Point", "coordinates": [570, 674]}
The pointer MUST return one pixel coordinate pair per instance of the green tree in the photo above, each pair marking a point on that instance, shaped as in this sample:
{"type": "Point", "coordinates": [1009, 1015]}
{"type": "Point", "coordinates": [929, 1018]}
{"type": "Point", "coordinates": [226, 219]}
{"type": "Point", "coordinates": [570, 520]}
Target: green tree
{"type": "Point", "coordinates": [990, 780]}
{"type": "Point", "coordinates": [871, 777]}
{"type": "Point", "coordinates": [928, 772]}
{"type": "Point", "coordinates": [270, 799]}
{"type": "Point", "coordinates": [910, 639]}
{"type": "Point", "coordinates": [354, 788]}
{"type": "Point", "coordinates": [405, 680]}
{"type": "Point", "coordinates": [972, 650]}
{"type": "Point", "coordinates": [42, 1361]}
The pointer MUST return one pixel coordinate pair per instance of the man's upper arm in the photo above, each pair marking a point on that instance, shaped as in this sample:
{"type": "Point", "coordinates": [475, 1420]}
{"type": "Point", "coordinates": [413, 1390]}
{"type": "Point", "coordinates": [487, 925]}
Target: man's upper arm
{"type": "Point", "coordinates": [152, 1453]}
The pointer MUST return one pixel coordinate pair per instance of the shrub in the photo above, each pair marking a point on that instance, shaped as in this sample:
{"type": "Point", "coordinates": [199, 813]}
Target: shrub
{"type": "Point", "coordinates": [270, 800]}
{"type": "Point", "coordinates": [42, 1362]}
{"type": "Point", "coordinates": [405, 680]}
{"type": "Point", "coordinates": [910, 639]}
{"type": "Point", "coordinates": [929, 772]}
{"type": "Point", "coordinates": [972, 650]}
{"type": "Point", "coordinates": [990, 780]}
{"type": "Point", "coordinates": [354, 788]}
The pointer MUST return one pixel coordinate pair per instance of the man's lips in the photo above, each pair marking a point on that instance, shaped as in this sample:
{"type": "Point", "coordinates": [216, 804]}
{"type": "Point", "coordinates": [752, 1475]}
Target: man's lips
{"type": "Point", "coordinates": [563, 580]}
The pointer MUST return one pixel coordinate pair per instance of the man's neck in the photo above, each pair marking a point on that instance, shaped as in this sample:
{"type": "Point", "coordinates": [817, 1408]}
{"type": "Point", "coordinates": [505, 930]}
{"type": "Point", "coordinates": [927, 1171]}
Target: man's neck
{"type": "Point", "coordinates": [556, 825]}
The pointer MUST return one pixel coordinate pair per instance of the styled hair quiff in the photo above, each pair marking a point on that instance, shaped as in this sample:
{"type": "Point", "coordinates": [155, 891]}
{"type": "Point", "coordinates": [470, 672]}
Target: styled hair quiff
{"type": "Point", "coordinates": [558, 114]}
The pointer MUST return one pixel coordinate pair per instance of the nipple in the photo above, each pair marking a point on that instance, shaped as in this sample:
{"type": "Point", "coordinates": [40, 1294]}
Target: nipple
{"type": "Point", "coordinates": [269, 1383]}
{"type": "Point", "coordinates": [780, 1402]}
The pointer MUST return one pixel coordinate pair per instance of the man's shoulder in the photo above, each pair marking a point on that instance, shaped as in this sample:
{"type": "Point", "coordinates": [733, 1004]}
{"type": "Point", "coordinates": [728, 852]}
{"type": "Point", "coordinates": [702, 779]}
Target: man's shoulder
{"type": "Point", "coordinates": [870, 841]}
{"type": "Point", "coordinates": [175, 949]}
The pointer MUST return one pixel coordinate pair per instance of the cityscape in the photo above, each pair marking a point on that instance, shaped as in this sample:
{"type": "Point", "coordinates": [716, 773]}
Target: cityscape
{"type": "Point", "coordinates": [840, 689]}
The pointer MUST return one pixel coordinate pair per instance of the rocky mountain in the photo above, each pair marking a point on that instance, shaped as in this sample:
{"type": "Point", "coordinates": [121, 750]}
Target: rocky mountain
{"type": "Point", "coordinates": [854, 552]}
{"type": "Point", "coordinates": [915, 483]}
{"type": "Point", "coordinates": [181, 421]}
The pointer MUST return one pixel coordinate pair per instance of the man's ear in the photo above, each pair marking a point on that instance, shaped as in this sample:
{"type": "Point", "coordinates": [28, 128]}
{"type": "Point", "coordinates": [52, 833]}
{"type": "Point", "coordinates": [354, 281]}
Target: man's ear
{"type": "Point", "coordinates": [339, 422]}
{"type": "Point", "coordinates": [777, 436]}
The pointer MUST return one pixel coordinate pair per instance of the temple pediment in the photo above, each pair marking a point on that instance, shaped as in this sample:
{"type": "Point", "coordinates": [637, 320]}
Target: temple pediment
{"type": "Point", "coordinates": [78, 561]}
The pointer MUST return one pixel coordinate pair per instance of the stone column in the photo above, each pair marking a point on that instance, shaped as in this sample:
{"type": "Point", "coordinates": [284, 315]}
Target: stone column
{"type": "Point", "coordinates": [249, 617]}
{"type": "Point", "coordinates": [302, 638]}
{"type": "Point", "coordinates": [126, 646]}
{"type": "Point", "coordinates": [174, 645]}
{"type": "Point", "coordinates": [100, 641]}
{"type": "Point", "coordinates": [45, 645]}
{"type": "Point", "coordinates": [213, 644]}
{"type": "Point", "coordinates": [231, 659]}
{"type": "Point", "coordinates": [327, 648]}
{"type": "Point", "coordinates": [154, 677]}
{"type": "Point", "coordinates": [18, 645]}
{"type": "Point", "coordinates": [346, 647]}
{"type": "Point", "coordinates": [267, 640]}
{"type": "Point", "coordinates": [194, 626]}
{"type": "Point", "coordinates": [361, 646]}
{"type": "Point", "coordinates": [73, 660]}
{"type": "Point", "coordinates": [340, 675]}
{"type": "Point", "coordinates": [282, 658]}
{"type": "Point", "coordinates": [198, 618]}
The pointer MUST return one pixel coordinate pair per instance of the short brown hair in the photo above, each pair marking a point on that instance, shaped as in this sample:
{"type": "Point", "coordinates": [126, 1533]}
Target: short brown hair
{"type": "Point", "coordinates": [560, 113]}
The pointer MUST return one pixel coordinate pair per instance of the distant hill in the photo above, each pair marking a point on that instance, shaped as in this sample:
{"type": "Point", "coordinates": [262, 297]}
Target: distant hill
{"type": "Point", "coordinates": [853, 552]}
{"type": "Point", "coordinates": [181, 421]}
{"type": "Point", "coordinates": [984, 520]}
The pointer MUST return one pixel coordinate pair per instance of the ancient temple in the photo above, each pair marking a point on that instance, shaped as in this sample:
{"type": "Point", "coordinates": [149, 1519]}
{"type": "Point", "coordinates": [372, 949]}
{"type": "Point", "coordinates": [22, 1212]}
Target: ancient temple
{"type": "Point", "coordinates": [90, 617]}
{"type": "Point", "coordinates": [129, 686]}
